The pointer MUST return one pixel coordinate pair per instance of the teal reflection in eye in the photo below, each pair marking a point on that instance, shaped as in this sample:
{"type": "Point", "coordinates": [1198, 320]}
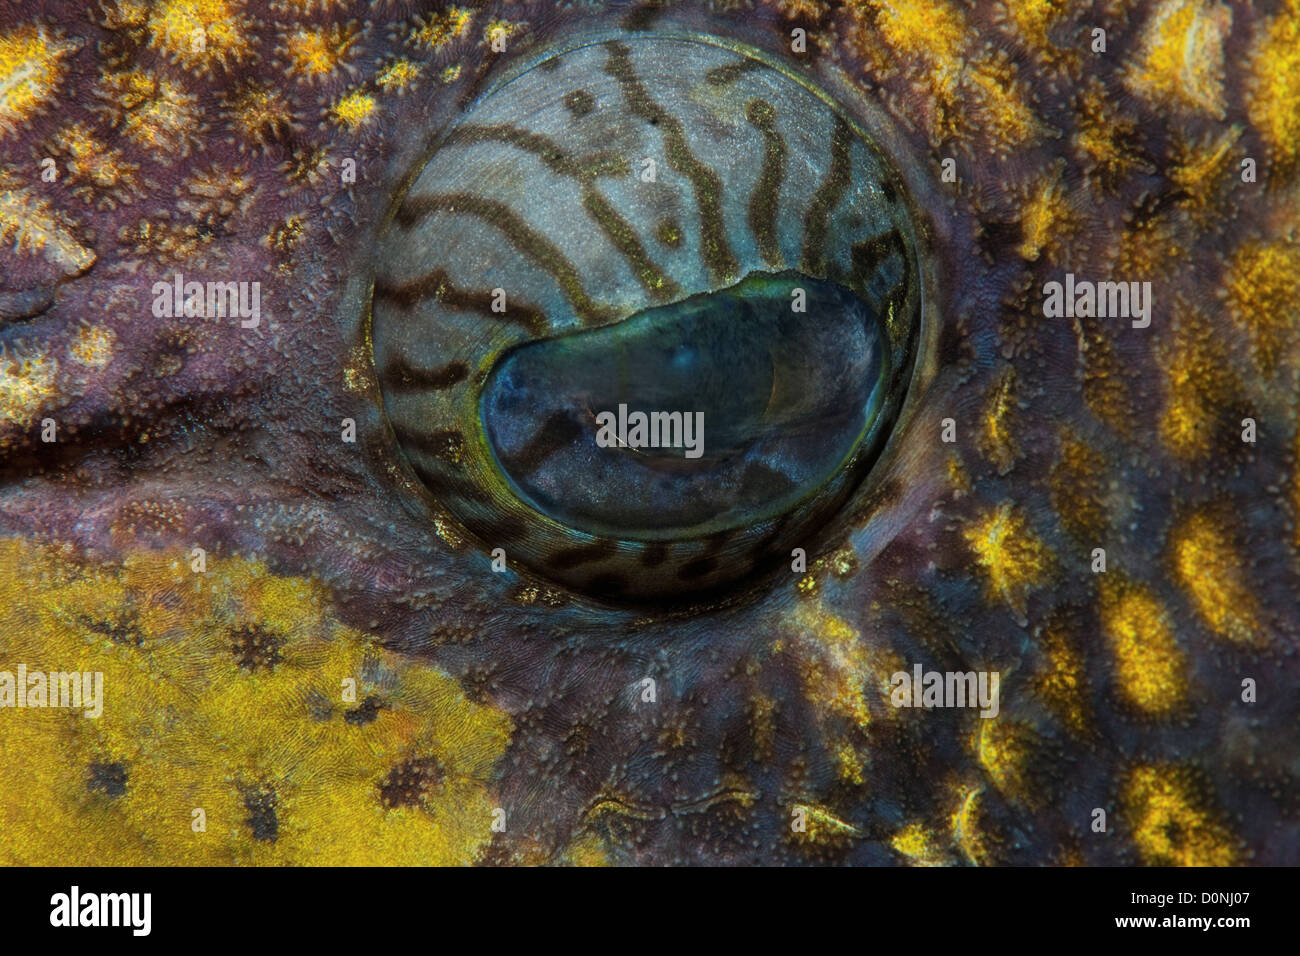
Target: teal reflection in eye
{"type": "Point", "coordinates": [626, 228]}
{"type": "Point", "coordinates": [690, 419]}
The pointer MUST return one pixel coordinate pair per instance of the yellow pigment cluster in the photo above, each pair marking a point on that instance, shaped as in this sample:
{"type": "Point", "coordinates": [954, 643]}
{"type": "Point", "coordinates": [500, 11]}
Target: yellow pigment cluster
{"type": "Point", "coordinates": [222, 689]}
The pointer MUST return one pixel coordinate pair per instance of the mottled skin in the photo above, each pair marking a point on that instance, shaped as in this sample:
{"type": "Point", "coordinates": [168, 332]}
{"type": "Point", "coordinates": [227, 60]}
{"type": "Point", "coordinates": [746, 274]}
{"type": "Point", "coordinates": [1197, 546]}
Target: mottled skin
{"type": "Point", "coordinates": [1120, 690]}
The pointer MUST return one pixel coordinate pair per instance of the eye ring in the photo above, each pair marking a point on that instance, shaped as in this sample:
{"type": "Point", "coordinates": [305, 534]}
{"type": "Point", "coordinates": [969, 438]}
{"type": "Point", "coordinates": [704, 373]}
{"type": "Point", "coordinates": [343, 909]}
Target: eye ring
{"type": "Point", "coordinates": [479, 281]}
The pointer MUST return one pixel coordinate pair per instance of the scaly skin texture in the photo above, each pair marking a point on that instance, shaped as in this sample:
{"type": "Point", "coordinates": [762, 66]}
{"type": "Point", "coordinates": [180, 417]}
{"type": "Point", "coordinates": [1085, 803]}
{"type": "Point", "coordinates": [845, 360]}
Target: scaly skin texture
{"type": "Point", "coordinates": [225, 159]}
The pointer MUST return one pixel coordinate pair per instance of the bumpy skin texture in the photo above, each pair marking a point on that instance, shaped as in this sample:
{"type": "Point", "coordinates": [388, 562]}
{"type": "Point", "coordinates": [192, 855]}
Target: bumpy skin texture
{"type": "Point", "coordinates": [1121, 690]}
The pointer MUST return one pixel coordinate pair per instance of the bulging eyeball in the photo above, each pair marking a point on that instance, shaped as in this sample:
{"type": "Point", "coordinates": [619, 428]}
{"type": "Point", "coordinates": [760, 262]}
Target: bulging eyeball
{"type": "Point", "coordinates": [646, 315]}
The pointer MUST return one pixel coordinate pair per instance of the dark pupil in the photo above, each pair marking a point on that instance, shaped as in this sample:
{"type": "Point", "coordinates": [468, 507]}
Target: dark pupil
{"type": "Point", "coordinates": [785, 396]}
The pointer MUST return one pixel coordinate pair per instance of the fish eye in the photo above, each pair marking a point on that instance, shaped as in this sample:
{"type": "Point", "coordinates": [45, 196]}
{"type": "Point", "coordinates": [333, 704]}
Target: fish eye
{"type": "Point", "coordinates": [645, 314]}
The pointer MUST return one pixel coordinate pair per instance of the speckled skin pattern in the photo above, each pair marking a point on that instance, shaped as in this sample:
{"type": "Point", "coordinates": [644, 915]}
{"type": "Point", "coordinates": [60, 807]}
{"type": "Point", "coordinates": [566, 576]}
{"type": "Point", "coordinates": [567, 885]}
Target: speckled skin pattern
{"type": "Point", "coordinates": [1171, 157]}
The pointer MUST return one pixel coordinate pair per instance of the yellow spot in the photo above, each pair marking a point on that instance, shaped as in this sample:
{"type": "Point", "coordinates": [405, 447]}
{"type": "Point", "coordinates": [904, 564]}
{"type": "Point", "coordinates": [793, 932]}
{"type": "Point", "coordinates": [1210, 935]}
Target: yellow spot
{"type": "Point", "coordinates": [353, 110]}
{"type": "Point", "coordinates": [1047, 216]}
{"type": "Point", "coordinates": [1180, 62]}
{"type": "Point", "coordinates": [998, 440]}
{"type": "Point", "coordinates": [398, 76]}
{"type": "Point", "coordinates": [822, 827]}
{"type": "Point", "coordinates": [919, 845]}
{"type": "Point", "coordinates": [153, 111]}
{"type": "Point", "coordinates": [1149, 665]}
{"type": "Point", "coordinates": [1105, 134]}
{"type": "Point", "coordinates": [1063, 682]}
{"type": "Point", "coordinates": [1033, 20]}
{"type": "Point", "coordinates": [260, 114]}
{"type": "Point", "coordinates": [499, 31]}
{"type": "Point", "coordinates": [1006, 749]}
{"type": "Point", "coordinates": [26, 383]}
{"type": "Point", "coordinates": [1003, 111]}
{"type": "Point", "coordinates": [199, 33]}
{"type": "Point", "coordinates": [31, 69]}
{"type": "Point", "coordinates": [966, 830]}
{"type": "Point", "coordinates": [98, 166]}
{"type": "Point", "coordinates": [1262, 287]}
{"type": "Point", "coordinates": [316, 53]}
{"type": "Point", "coordinates": [1079, 490]}
{"type": "Point", "coordinates": [1171, 821]}
{"type": "Point", "coordinates": [93, 346]}
{"type": "Point", "coordinates": [1200, 388]}
{"type": "Point", "coordinates": [1014, 560]}
{"type": "Point", "coordinates": [1212, 570]}
{"type": "Point", "coordinates": [439, 29]}
{"type": "Point", "coordinates": [929, 29]}
{"type": "Point", "coordinates": [451, 74]}
{"type": "Point", "coordinates": [224, 691]}
{"type": "Point", "coordinates": [29, 225]}
{"type": "Point", "coordinates": [1274, 102]}
{"type": "Point", "coordinates": [806, 586]}
{"type": "Point", "coordinates": [1201, 170]}
{"type": "Point", "coordinates": [849, 763]}
{"type": "Point", "coordinates": [835, 668]}
{"type": "Point", "coordinates": [844, 562]}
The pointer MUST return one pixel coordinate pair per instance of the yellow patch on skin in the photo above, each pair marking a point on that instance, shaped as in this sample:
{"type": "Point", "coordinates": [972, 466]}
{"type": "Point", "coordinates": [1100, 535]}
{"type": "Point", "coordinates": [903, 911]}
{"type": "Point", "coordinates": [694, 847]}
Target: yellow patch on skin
{"type": "Point", "coordinates": [93, 346]}
{"type": "Point", "coordinates": [1079, 489]}
{"type": "Point", "coordinates": [1045, 217]}
{"type": "Point", "coordinates": [806, 586]}
{"type": "Point", "coordinates": [835, 667]}
{"type": "Point", "coordinates": [928, 29]}
{"type": "Point", "coordinates": [919, 845]}
{"type": "Point", "coordinates": [1202, 170]}
{"type": "Point", "coordinates": [1262, 287]}
{"type": "Point", "coordinates": [190, 728]}
{"type": "Point", "coordinates": [451, 74]}
{"type": "Point", "coordinates": [439, 29]}
{"type": "Point", "coordinates": [1033, 19]}
{"type": "Point", "coordinates": [398, 76]}
{"type": "Point", "coordinates": [1274, 101]}
{"type": "Point", "coordinates": [31, 69]}
{"type": "Point", "coordinates": [499, 31]}
{"type": "Point", "coordinates": [99, 168]}
{"type": "Point", "coordinates": [762, 725]}
{"type": "Point", "coordinates": [997, 440]}
{"type": "Point", "coordinates": [200, 33]}
{"type": "Point", "coordinates": [848, 764]}
{"type": "Point", "coordinates": [821, 826]}
{"type": "Point", "coordinates": [353, 110]}
{"type": "Point", "coordinates": [1212, 570]}
{"type": "Point", "coordinates": [153, 111]}
{"type": "Point", "coordinates": [1005, 748]}
{"type": "Point", "coordinates": [1014, 560]}
{"type": "Point", "coordinates": [30, 226]}
{"type": "Point", "coordinates": [260, 114]}
{"type": "Point", "coordinates": [1104, 134]}
{"type": "Point", "coordinates": [316, 53]}
{"type": "Point", "coordinates": [26, 384]}
{"type": "Point", "coordinates": [1000, 100]}
{"type": "Point", "coordinates": [1150, 667]}
{"type": "Point", "coordinates": [1180, 62]}
{"type": "Point", "coordinates": [1171, 822]}
{"type": "Point", "coordinates": [1063, 683]}
{"type": "Point", "coordinates": [586, 850]}
{"type": "Point", "coordinates": [1200, 387]}
{"type": "Point", "coordinates": [966, 830]}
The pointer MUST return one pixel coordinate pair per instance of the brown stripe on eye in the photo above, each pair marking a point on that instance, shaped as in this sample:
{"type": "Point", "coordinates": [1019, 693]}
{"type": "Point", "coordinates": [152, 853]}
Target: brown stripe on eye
{"type": "Point", "coordinates": [584, 554]}
{"type": "Point", "coordinates": [722, 75]}
{"type": "Point", "coordinates": [765, 200]}
{"type": "Point", "coordinates": [705, 183]}
{"type": "Point", "coordinates": [824, 201]}
{"type": "Point", "coordinates": [436, 284]}
{"type": "Point", "coordinates": [444, 443]}
{"type": "Point", "coordinates": [559, 430]}
{"type": "Point", "coordinates": [527, 241]}
{"type": "Point", "coordinates": [402, 376]}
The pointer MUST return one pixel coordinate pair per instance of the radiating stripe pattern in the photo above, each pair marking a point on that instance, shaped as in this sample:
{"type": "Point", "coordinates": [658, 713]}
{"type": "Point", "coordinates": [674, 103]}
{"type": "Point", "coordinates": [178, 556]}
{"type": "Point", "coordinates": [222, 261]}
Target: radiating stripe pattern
{"type": "Point", "coordinates": [613, 178]}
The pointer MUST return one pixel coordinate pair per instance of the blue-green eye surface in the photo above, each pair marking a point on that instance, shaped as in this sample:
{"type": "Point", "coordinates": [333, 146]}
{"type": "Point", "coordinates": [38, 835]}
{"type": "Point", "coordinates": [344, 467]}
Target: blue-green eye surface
{"type": "Point", "coordinates": [693, 418]}
{"type": "Point", "coordinates": [646, 314]}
